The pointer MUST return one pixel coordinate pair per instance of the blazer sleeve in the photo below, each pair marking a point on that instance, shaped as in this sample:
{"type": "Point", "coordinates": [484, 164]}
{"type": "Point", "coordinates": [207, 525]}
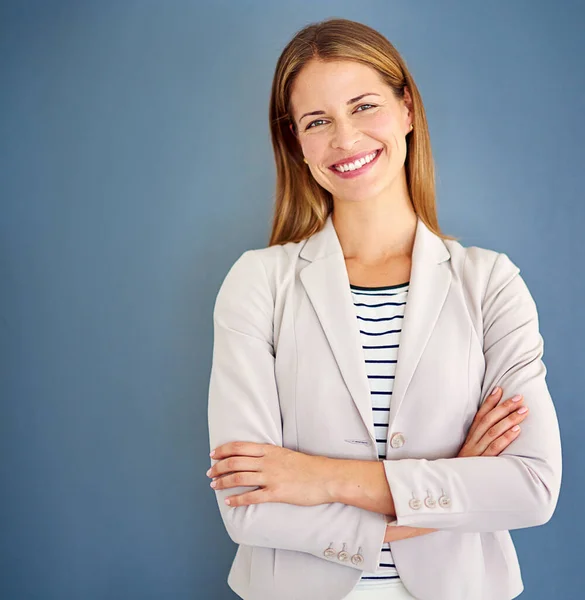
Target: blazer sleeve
{"type": "Point", "coordinates": [243, 405]}
{"type": "Point", "coordinates": [519, 487]}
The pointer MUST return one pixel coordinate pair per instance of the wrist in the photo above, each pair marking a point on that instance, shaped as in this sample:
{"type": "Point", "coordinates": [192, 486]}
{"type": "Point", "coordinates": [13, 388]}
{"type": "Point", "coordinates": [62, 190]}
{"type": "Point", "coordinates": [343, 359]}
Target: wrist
{"type": "Point", "coordinates": [358, 483]}
{"type": "Point", "coordinates": [333, 478]}
{"type": "Point", "coordinates": [343, 479]}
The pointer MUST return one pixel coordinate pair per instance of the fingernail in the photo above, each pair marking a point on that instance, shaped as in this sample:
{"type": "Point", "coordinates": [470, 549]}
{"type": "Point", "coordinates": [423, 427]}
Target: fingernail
{"type": "Point", "coordinates": [516, 428]}
{"type": "Point", "coordinates": [495, 391]}
{"type": "Point", "coordinates": [213, 484]}
{"type": "Point", "coordinates": [208, 472]}
{"type": "Point", "coordinates": [212, 453]}
{"type": "Point", "coordinates": [227, 500]}
{"type": "Point", "coordinates": [522, 410]}
{"type": "Point", "coordinates": [517, 398]}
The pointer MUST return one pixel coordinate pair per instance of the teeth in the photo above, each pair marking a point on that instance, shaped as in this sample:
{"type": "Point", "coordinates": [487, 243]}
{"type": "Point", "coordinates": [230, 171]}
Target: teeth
{"type": "Point", "coordinates": [357, 164]}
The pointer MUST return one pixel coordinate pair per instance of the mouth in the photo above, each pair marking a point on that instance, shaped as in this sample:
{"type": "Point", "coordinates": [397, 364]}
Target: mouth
{"type": "Point", "coordinates": [358, 167]}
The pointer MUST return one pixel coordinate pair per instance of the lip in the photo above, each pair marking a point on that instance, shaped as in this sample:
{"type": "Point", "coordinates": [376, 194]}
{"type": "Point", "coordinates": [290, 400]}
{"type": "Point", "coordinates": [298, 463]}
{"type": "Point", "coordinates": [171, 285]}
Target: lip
{"type": "Point", "coordinates": [353, 158]}
{"type": "Point", "coordinates": [362, 170]}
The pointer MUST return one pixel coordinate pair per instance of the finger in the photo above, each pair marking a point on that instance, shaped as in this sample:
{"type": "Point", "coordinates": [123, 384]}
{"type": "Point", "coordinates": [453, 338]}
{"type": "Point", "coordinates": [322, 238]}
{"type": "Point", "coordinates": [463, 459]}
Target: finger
{"type": "Point", "coordinates": [233, 464]}
{"type": "Point", "coordinates": [500, 444]}
{"type": "Point", "coordinates": [495, 415]}
{"type": "Point", "coordinates": [238, 449]}
{"type": "Point", "coordinates": [499, 428]}
{"type": "Point", "coordinates": [488, 423]}
{"type": "Point", "coordinates": [245, 478]}
{"type": "Point", "coordinates": [478, 448]}
{"type": "Point", "coordinates": [255, 497]}
{"type": "Point", "coordinates": [490, 402]}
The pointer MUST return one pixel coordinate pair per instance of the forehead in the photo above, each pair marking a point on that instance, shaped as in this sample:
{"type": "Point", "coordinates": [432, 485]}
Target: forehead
{"type": "Point", "coordinates": [324, 83]}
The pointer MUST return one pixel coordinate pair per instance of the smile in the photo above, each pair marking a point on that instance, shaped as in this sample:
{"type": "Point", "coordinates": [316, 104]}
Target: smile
{"type": "Point", "coordinates": [357, 167]}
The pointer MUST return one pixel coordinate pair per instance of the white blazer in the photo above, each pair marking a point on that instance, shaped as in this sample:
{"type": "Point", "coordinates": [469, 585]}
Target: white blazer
{"type": "Point", "coordinates": [288, 369]}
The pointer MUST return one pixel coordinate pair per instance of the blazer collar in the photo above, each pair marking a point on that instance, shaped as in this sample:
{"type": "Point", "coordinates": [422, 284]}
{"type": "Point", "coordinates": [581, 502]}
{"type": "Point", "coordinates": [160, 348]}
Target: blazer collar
{"type": "Point", "coordinates": [326, 282]}
{"type": "Point", "coordinates": [427, 245]}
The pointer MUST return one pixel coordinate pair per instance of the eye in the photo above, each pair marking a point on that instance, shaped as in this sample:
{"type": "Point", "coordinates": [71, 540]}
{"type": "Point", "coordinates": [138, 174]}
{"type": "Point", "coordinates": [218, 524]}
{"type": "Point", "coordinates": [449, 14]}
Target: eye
{"type": "Point", "coordinates": [310, 125]}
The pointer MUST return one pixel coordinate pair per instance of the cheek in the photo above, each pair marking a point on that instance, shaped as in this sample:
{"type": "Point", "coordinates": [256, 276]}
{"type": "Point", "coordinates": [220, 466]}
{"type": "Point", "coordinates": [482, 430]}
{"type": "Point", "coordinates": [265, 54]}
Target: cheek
{"type": "Point", "coordinates": [383, 126]}
{"type": "Point", "coordinates": [384, 119]}
{"type": "Point", "coordinates": [313, 148]}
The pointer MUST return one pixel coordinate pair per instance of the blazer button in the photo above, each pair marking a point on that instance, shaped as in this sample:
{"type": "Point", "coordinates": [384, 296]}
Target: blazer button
{"type": "Point", "coordinates": [329, 552]}
{"type": "Point", "coordinates": [430, 502]}
{"type": "Point", "coordinates": [415, 503]}
{"type": "Point", "coordinates": [445, 501]}
{"type": "Point", "coordinates": [357, 559]}
{"type": "Point", "coordinates": [397, 440]}
{"type": "Point", "coordinates": [343, 555]}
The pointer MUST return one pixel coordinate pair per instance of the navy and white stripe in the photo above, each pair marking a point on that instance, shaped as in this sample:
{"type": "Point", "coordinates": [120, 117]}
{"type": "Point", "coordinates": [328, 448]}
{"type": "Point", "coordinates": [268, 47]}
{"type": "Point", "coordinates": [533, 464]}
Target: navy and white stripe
{"type": "Point", "coordinates": [379, 312]}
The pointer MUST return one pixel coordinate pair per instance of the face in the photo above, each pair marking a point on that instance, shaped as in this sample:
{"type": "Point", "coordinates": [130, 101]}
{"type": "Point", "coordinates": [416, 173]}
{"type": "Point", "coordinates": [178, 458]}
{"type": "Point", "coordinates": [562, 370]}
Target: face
{"type": "Point", "coordinates": [358, 118]}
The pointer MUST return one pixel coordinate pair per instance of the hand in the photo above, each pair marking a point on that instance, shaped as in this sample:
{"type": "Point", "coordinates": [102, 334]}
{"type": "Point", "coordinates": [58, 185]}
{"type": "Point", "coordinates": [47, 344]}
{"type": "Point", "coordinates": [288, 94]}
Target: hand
{"type": "Point", "coordinates": [395, 533]}
{"type": "Point", "coordinates": [282, 475]}
{"type": "Point", "coordinates": [492, 429]}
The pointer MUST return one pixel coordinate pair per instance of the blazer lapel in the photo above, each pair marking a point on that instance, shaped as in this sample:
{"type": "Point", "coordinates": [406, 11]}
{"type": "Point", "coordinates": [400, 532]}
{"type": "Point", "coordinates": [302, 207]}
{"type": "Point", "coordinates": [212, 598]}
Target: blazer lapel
{"type": "Point", "coordinates": [429, 284]}
{"type": "Point", "coordinates": [326, 282]}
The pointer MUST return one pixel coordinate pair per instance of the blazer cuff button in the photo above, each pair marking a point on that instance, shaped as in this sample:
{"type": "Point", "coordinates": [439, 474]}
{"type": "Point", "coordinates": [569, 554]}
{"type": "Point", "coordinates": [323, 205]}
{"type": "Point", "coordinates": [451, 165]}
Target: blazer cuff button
{"type": "Point", "coordinates": [445, 501]}
{"type": "Point", "coordinates": [430, 501]}
{"type": "Point", "coordinates": [329, 552]}
{"type": "Point", "coordinates": [415, 503]}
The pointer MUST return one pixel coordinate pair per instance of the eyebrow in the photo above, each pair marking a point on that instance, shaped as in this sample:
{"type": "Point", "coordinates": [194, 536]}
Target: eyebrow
{"type": "Point", "coordinates": [322, 112]}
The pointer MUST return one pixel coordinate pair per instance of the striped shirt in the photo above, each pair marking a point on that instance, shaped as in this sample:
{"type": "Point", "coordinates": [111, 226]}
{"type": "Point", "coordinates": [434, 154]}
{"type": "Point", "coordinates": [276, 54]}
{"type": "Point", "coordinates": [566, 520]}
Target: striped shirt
{"type": "Point", "coordinates": [380, 311]}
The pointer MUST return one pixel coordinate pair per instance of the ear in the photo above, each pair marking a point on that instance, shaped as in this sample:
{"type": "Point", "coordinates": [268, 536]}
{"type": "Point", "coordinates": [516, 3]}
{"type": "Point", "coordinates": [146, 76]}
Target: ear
{"type": "Point", "coordinates": [292, 129]}
{"type": "Point", "coordinates": [408, 102]}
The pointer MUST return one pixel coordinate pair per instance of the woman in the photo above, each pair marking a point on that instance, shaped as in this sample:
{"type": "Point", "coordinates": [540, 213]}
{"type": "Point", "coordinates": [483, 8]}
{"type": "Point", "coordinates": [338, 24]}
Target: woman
{"type": "Point", "coordinates": [369, 372]}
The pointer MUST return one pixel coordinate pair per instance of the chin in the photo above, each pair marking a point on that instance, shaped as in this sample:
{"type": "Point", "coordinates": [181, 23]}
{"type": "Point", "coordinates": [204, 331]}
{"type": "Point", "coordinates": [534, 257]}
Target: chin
{"type": "Point", "coordinates": [363, 194]}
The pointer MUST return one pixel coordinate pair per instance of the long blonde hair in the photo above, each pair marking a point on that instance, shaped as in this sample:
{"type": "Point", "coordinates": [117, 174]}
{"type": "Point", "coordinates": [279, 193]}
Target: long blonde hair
{"type": "Point", "coordinates": [301, 204]}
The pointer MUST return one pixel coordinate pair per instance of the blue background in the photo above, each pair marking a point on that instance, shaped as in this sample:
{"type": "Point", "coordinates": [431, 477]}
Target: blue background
{"type": "Point", "coordinates": [136, 167]}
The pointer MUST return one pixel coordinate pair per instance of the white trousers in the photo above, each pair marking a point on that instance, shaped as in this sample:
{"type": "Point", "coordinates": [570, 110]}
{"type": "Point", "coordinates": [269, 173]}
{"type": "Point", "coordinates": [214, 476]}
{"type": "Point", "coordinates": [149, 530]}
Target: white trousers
{"type": "Point", "coordinates": [391, 590]}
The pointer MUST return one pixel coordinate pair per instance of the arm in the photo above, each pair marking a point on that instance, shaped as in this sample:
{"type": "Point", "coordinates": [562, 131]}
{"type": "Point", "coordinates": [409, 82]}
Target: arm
{"type": "Point", "coordinates": [520, 487]}
{"type": "Point", "coordinates": [243, 405]}
{"type": "Point", "coordinates": [363, 484]}
{"type": "Point", "coordinates": [360, 483]}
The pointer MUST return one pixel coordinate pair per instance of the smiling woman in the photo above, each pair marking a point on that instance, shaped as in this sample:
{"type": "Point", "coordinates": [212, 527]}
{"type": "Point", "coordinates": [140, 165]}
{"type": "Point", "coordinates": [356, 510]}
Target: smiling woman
{"type": "Point", "coordinates": [370, 373]}
{"type": "Point", "coordinates": [329, 143]}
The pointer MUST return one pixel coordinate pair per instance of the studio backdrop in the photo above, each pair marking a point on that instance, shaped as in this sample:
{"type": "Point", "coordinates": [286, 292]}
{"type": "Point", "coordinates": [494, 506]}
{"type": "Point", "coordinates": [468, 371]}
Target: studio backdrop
{"type": "Point", "coordinates": [136, 166]}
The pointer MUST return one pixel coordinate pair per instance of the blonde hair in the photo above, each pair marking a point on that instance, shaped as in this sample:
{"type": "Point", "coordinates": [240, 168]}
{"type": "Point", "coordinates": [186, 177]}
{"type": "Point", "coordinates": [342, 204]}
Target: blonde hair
{"type": "Point", "coordinates": [301, 204]}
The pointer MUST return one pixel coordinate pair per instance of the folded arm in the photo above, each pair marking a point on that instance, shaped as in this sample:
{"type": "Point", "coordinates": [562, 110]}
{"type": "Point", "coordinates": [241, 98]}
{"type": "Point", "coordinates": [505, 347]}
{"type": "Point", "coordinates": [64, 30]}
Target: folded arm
{"type": "Point", "coordinates": [520, 487]}
{"type": "Point", "coordinates": [243, 406]}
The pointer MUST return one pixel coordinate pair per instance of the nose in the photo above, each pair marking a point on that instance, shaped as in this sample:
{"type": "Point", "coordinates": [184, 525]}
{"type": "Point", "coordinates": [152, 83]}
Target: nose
{"type": "Point", "coordinates": [345, 135]}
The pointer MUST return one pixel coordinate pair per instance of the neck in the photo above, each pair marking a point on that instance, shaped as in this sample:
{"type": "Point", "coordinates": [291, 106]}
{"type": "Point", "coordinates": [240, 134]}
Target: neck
{"type": "Point", "coordinates": [376, 230]}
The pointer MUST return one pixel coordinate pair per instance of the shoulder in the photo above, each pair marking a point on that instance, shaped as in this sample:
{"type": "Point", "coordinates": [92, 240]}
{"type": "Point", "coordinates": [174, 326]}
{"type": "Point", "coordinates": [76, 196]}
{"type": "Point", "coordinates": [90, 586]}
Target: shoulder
{"type": "Point", "coordinates": [490, 283]}
{"type": "Point", "coordinates": [261, 266]}
{"type": "Point", "coordinates": [254, 279]}
{"type": "Point", "coordinates": [482, 268]}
